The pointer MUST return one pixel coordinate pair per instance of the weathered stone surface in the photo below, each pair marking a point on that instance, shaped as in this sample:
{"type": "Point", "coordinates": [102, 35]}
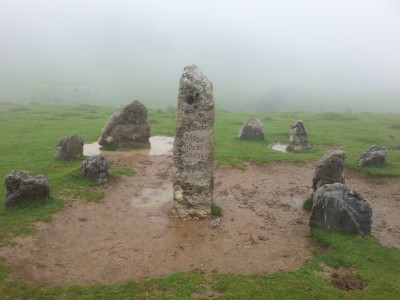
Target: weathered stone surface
{"type": "Point", "coordinates": [339, 207]}
{"type": "Point", "coordinates": [329, 169]}
{"type": "Point", "coordinates": [252, 129]}
{"type": "Point", "coordinates": [95, 167]}
{"type": "Point", "coordinates": [193, 170]}
{"type": "Point", "coordinates": [373, 157]}
{"type": "Point", "coordinates": [24, 188]}
{"type": "Point", "coordinates": [127, 128]}
{"type": "Point", "coordinates": [298, 136]}
{"type": "Point", "coordinates": [70, 147]}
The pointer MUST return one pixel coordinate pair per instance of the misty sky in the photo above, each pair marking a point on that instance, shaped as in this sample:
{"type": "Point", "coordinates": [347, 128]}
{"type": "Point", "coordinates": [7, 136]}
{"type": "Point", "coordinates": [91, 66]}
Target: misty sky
{"type": "Point", "coordinates": [296, 52]}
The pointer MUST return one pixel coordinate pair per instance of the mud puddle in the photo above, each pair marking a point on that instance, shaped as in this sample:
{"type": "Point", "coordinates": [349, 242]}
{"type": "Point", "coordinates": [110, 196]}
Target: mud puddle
{"type": "Point", "coordinates": [279, 147]}
{"type": "Point", "coordinates": [160, 145]}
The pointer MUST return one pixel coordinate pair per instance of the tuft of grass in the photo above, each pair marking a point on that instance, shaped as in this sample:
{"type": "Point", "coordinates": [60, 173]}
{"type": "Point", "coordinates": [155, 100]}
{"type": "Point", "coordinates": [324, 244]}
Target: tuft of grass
{"type": "Point", "coordinates": [216, 210]}
{"type": "Point", "coordinates": [308, 204]}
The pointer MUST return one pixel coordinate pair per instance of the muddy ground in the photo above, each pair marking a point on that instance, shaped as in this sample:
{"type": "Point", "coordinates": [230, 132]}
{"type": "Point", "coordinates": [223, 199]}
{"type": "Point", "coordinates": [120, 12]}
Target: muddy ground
{"type": "Point", "coordinates": [129, 235]}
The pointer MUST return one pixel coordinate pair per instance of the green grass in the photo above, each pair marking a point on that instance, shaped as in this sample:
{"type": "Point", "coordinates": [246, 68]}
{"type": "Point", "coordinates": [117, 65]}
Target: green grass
{"type": "Point", "coordinates": [29, 137]}
{"type": "Point", "coordinates": [216, 210]}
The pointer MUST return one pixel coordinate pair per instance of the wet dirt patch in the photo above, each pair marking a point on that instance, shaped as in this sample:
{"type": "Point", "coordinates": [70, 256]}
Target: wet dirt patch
{"type": "Point", "coordinates": [346, 279]}
{"type": "Point", "coordinates": [130, 234]}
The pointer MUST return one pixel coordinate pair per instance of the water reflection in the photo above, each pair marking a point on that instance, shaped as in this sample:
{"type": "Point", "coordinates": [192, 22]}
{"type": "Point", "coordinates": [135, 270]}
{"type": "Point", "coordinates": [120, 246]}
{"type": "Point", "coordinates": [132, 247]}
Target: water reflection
{"type": "Point", "coordinates": [279, 147]}
{"type": "Point", "coordinates": [160, 145]}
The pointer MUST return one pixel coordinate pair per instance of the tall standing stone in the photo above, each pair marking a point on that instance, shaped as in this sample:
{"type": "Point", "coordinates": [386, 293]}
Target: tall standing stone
{"type": "Point", "coordinates": [298, 136]}
{"type": "Point", "coordinates": [193, 179]}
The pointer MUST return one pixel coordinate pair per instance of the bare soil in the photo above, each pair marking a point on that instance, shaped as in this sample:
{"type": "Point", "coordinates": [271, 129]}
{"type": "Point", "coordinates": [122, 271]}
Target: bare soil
{"type": "Point", "coordinates": [129, 235]}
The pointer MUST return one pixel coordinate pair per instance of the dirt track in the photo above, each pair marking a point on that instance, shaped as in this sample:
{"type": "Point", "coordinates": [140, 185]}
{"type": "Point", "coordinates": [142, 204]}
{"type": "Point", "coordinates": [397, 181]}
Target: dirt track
{"type": "Point", "coordinates": [129, 234]}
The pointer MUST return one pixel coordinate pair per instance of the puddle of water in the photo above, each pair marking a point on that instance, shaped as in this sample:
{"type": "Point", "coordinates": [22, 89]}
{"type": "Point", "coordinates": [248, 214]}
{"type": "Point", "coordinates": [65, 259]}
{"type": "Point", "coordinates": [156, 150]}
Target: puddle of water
{"type": "Point", "coordinates": [279, 147]}
{"type": "Point", "coordinates": [160, 145]}
{"type": "Point", "coordinates": [153, 197]}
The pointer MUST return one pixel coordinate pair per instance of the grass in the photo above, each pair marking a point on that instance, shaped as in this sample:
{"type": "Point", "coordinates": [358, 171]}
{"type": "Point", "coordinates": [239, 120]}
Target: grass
{"type": "Point", "coordinates": [216, 210]}
{"type": "Point", "coordinates": [29, 137]}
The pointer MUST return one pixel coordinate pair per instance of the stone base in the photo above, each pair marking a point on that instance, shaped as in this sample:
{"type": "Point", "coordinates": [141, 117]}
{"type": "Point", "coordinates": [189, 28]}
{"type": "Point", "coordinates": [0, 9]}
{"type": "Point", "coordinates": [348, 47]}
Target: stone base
{"type": "Point", "coordinates": [182, 212]}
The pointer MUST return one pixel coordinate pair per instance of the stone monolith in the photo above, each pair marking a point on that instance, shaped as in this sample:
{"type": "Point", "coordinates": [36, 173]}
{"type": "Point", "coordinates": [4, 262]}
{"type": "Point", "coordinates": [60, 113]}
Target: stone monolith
{"type": "Point", "coordinates": [193, 179]}
{"type": "Point", "coordinates": [298, 136]}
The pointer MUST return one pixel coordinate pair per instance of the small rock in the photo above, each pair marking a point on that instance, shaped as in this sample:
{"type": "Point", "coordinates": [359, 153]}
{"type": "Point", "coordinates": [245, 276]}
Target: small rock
{"type": "Point", "coordinates": [24, 188]}
{"type": "Point", "coordinates": [252, 129]}
{"type": "Point", "coordinates": [95, 167]}
{"type": "Point", "coordinates": [373, 157]}
{"type": "Point", "coordinates": [215, 223]}
{"type": "Point", "coordinates": [70, 147]}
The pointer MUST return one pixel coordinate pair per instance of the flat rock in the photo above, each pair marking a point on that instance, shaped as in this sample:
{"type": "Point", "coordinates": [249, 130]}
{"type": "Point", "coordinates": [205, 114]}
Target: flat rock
{"type": "Point", "coordinates": [339, 207]}
{"type": "Point", "coordinates": [373, 157]}
{"type": "Point", "coordinates": [252, 129]}
{"type": "Point", "coordinates": [95, 168]}
{"type": "Point", "coordinates": [70, 147]}
{"type": "Point", "coordinates": [329, 169]}
{"type": "Point", "coordinates": [22, 188]}
{"type": "Point", "coordinates": [127, 128]}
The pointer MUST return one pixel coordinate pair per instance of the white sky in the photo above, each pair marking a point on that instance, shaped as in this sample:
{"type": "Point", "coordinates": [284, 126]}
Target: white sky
{"type": "Point", "coordinates": [247, 47]}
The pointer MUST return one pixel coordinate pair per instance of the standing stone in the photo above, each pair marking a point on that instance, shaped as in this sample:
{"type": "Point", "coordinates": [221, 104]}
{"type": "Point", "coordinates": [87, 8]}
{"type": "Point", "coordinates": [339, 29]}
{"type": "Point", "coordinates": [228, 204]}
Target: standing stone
{"type": "Point", "coordinates": [373, 157]}
{"type": "Point", "coordinates": [127, 128]}
{"type": "Point", "coordinates": [252, 129]}
{"type": "Point", "coordinates": [298, 136]}
{"type": "Point", "coordinates": [338, 207]}
{"type": "Point", "coordinates": [193, 170]}
{"type": "Point", "coordinates": [70, 147]}
{"type": "Point", "coordinates": [95, 168]}
{"type": "Point", "coordinates": [329, 169]}
{"type": "Point", "coordinates": [24, 188]}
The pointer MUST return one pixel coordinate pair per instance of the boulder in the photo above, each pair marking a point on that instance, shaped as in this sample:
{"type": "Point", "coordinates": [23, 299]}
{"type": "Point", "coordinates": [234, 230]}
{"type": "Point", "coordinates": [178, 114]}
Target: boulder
{"type": "Point", "coordinates": [24, 188]}
{"type": "Point", "coordinates": [95, 167]}
{"type": "Point", "coordinates": [298, 136]}
{"type": "Point", "coordinates": [329, 169]}
{"type": "Point", "coordinates": [252, 129]}
{"type": "Point", "coordinates": [127, 128]}
{"type": "Point", "coordinates": [339, 207]}
{"type": "Point", "coordinates": [373, 157]}
{"type": "Point", "coordinates": [70, 147]}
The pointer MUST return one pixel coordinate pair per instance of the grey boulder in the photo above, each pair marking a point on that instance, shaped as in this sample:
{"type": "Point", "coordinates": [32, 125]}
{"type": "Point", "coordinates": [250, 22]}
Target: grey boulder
{"type": "Point", "coordinates": [329, 169]}
{"type": "Point", "coordinates": [252, 129]}
{"type": "Point", "coordinates": [127, 128]}
{"type": "Point", "coordinates": [95, 168]}
{"type": "Point", "coordinates": [70, 147]}
{"type": "Point", "coordinates": [373, 157]}
{"type": "Point", "coordinates": [22, 188]}
{"type": "Point", "coordinates": [339, 207]}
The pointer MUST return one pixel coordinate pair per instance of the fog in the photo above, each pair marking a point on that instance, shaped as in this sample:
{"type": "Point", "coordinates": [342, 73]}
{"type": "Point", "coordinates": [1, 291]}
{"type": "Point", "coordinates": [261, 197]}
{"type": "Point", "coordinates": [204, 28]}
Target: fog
{"type": "Point", "coordinates": [332, 55]}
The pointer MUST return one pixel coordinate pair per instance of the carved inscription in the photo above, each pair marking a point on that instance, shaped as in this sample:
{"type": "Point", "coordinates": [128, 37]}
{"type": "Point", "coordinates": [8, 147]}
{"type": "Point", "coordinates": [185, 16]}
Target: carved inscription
{"type": "Point", "coordinates": [196, 145]}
